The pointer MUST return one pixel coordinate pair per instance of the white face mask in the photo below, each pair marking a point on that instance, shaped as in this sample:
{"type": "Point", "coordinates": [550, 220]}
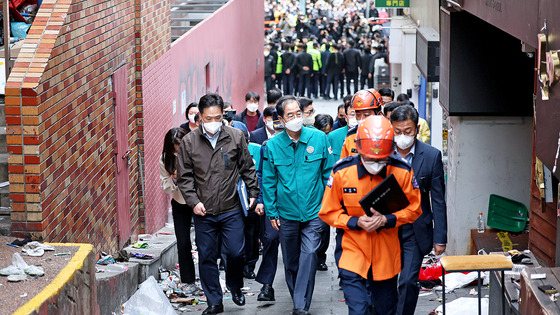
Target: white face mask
{"type": "Point", "coordinates": [191, 119]}
{"type": "Point", "coordinates": [352, 122]}
{"type": "Point", "coordinates": [266, 53]}
{"type": "Point", "coordinates": [270, 126]}
{"type": "Point", "coordinates": [309, 121]}
{"type": "Point", "coordinates": [295, 124]}
{"type": "Point", "coordinates": [360, 121]}
{"type": "Point", "coordinates": [212, 127]}
{"type": "Point", "coordinates": [373, 167]}
{"type": "Point", "coordinates": [404, 142]}
{"type": "Point", "coordinates": [252, 107]}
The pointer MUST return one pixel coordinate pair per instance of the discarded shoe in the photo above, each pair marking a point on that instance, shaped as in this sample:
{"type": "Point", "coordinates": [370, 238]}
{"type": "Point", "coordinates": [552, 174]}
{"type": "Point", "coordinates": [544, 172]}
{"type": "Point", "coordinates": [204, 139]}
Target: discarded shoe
{"type": "Point", "coordinates": [106, 260]}
{"type": "Point", "coordinates": [122, 256]}
{"type": "Point", "coordinates": [22, 242]}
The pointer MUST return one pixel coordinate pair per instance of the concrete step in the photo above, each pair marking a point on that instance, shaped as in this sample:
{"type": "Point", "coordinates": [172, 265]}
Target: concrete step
{"type": "Point", "coordinates": [3, 143]}
{"type": "Point", "coordinates": [5, 211]}
{"type": "Point", "coordinates": [2, 114]}
{"type": "Point", "coordinates": [5, 225]}
{"type": "Point", "coordinates": [163, 248]}
{"type": "Point", "coordinates": [3, 167]}
{"type": "Point", "coordinates": [115, 287]}
{"type": "Point", "coordinates": [5, 201]}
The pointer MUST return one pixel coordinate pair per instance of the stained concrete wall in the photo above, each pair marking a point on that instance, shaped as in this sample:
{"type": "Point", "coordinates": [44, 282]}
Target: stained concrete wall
{"type": "Point", "coordinates": [486, 156]}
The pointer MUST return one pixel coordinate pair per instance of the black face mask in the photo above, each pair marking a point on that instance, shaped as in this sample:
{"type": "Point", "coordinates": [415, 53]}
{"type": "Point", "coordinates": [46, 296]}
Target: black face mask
{"type": "Point", "coordinates": [342, 122]}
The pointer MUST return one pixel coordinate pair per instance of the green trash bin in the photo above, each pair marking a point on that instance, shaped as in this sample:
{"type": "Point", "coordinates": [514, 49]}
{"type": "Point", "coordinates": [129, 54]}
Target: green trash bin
{"type": "Point", "coordinates": [506, 214]}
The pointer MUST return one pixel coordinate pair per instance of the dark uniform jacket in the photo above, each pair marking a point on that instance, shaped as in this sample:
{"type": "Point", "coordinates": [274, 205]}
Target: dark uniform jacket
{"type": "Point", "coordinates": [269, 65]}
{"type": "Point", "coordinates": [335, 64]}
{"type": "Point", "coordinates": [210, 175]}
{"type": "Point", "coordinates": [288, 61]}
{"type": "Point", "coordinates": [304, 59]}
{"type": "Point", "coordinates": [364, 65]}
{"type": "Point", "coordinates": [351, 60]}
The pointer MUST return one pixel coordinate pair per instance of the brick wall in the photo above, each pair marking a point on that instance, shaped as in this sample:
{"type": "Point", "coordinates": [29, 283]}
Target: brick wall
{"type": "Point", "coordinates": [59, 109]}
{"type": "Point", "coordinates": [153, 38]}
{"type": "Point", "coordinates": [230, 43]}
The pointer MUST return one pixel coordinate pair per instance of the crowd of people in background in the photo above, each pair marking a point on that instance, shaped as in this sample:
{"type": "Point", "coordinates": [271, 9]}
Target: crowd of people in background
{"type": "Point", "coordinates": [286, 174]}
{"type": "Point", "coordinates": [329, 52]}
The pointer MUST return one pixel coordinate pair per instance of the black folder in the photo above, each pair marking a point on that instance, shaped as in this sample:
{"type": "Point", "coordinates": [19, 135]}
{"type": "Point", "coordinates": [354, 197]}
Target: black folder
{"type": "Point", "coordinates": [385, 198]}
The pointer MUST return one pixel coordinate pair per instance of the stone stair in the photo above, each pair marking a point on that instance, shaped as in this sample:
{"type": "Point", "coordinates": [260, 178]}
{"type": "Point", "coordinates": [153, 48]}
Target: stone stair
{"type": "Point", "coordinates": [5, 203]}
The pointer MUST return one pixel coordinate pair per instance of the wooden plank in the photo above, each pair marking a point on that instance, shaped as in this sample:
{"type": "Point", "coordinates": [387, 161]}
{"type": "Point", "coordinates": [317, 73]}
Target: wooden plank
{"type": "Point", "coordinates": [532, 300]}
{"type": "Point", "coordinates": [544, 244]}
{"type": "Point", "coordinates": [544, 226]}
{"type": "Point", "coordinates": [491, 243]}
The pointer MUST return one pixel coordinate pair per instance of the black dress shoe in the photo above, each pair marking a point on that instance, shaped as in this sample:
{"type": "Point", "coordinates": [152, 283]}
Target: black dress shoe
{"type": "Point", "coordinates": [322, 267]}
{"type": "Point", "coordinates": [249, 274]}
{"type": "Point", "coordinates": [300, 312]}
{"type": "Point", "coordinates": [267, 293]}
{"type": "Point", "coordinates": [238, 297]}
{"type": "Point", "coordinates": [214, 309]}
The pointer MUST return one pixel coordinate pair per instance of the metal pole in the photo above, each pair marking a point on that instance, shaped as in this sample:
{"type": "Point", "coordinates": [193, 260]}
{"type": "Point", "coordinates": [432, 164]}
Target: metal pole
{"type": "Point", "coordinates": [6, 39]}
{"type": "Point", "coordinates": [479, 294]}
{"type": "Point", "coordinates": [443, 288]}
{"type": "Point", "coordinates": [503, 293]}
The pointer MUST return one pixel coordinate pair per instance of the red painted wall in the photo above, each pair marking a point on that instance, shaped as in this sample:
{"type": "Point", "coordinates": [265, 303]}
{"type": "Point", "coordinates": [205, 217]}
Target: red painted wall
{"type": "Point", "coordinates": [230, 43]}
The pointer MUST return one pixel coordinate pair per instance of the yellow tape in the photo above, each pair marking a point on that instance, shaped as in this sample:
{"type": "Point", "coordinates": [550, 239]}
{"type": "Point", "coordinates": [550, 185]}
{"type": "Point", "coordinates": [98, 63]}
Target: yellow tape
{"type": "Point", "coordinates": [507, 245]}
{"type": "Point", "coordinates": [62, 278]}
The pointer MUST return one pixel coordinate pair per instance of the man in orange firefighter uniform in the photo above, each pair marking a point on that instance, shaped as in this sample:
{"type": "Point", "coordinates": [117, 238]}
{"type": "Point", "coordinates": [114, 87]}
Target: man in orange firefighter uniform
{"type": "Point", "coordinates": [367, 251]}
{"type": "Point", "coordinates": [366, 103]}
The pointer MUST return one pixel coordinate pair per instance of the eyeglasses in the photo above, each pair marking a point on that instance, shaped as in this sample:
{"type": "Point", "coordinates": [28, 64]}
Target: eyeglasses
{"type": "Point", "coordinates": [408, 132]}
{"type": "Point", "coordinates": [309, 112]}
{"type": "Point", "coordinates": [291, 116]}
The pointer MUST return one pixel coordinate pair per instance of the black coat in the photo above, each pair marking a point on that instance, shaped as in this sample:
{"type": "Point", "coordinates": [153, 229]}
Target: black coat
{"type": "Point", "coordinates": [335, 64]}
{"type": "Point", "coordinates": [365, 59]}
{"type": "Point", "coordinates": [302, 30]}
{"type": "Point", "coordinates": [269, 65]}
{"type": "Point", "coordinates": [324, 57]}
{"type": "Point", "coordinates": [288, 61]}
{"type": "Point", "coordinates": [351, 60]}
{"type": "Point", "coordinates": [304, 59]}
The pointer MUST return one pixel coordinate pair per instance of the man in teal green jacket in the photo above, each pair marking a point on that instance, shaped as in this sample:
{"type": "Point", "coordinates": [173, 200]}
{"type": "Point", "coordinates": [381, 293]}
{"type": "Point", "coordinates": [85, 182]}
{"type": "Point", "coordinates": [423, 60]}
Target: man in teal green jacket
{"type": "Point", "coordinates": [337, 137]}
{"type": "Point", "coordinates": [296, 166]}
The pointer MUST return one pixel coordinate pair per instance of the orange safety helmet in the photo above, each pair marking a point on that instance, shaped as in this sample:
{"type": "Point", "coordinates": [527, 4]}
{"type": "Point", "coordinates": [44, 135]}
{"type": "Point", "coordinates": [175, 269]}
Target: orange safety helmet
{"type": "Point", "coordinates": [367, 99]}
{"type": "Point", "coordinates": [374, 138]}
